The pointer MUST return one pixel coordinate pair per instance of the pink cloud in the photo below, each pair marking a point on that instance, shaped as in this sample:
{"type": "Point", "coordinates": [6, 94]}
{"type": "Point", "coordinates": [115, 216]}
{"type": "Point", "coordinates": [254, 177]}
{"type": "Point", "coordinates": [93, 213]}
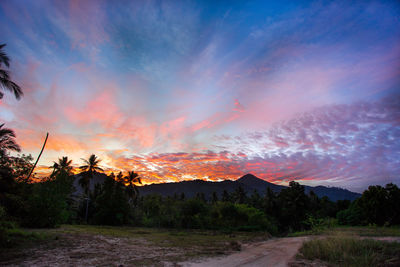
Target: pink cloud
{"type": "Point", "coordinates": [101, 109]}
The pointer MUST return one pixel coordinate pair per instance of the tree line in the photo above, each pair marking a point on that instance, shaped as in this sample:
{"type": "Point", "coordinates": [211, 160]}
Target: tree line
{"type": "Point", "coordinates": [117, 201]}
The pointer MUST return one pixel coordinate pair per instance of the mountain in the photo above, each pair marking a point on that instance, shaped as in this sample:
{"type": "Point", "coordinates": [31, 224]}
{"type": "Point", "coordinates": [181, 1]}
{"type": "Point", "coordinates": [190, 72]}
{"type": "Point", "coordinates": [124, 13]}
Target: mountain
{"type": "Point", "coordinates": [255, 183]}
{"type": "Point", "coordinates": [98, 178]}
{"type": "Point", "coordinates": [333, 193]}
{"type": "Point", "coordinates": [248, 182]}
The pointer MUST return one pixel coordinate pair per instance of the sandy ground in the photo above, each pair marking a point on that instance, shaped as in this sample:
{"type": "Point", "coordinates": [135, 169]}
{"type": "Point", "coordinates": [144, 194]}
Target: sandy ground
{"type": "Point", "coordinates": [275, 252]}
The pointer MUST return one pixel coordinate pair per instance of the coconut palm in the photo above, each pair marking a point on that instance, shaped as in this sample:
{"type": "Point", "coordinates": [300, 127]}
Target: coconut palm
{"type": "Point", "coordinates": [62, 166]}
{"type": "Point", "coordinates": [90, 166]}
{"type": "Point", "coordinates": [131, 180]}
{"type": "Point", "coordinates": [120, 178]}
{"type": "Point", "coordinates": [5, 80]}
{"type": "Point", "coordinates": [7, 140]}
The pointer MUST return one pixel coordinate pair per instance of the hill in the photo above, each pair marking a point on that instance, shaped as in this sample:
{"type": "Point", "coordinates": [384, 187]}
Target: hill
{"type": "Point", "coordinates": [248, 182]}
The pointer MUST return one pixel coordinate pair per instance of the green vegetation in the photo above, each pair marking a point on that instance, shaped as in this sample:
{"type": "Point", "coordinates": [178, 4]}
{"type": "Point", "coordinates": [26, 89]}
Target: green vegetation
{"type": "Point", "coordinates": [345, 251]}
{"type": "Point", "coordinates": [363, 231]}
{"type": "Point", "coordinates": [377, 205]}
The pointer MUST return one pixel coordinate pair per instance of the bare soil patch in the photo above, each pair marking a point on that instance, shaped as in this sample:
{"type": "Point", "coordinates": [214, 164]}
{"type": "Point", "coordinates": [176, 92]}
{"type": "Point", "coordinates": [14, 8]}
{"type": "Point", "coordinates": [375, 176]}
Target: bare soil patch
{"type": "Point", "coordinates": [119, 246]}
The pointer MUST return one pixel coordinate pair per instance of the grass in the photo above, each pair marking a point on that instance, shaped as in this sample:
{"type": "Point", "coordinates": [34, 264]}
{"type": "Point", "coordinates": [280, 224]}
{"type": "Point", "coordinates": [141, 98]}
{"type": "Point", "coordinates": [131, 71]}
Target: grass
{"type": "Point", "coordinates": [15, 242]}
{"type": "Point", "coordinates": [167, 237]}
{"type": "Point", "coordinates": [16, 237]}
{"type": "Point", "coordinates": [347, 251]}
{"type": "Point", "coordinates": [364, 231]}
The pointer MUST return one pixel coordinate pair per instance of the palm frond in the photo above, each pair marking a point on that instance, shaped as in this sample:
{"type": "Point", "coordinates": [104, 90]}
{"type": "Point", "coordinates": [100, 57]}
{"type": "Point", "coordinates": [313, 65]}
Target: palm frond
{"type": "Point", "coordinates": [4, 59]}
{"type": "Point", "coordinates": [7, 84]}
{"type": "Point", "coordinates": [7, 140]}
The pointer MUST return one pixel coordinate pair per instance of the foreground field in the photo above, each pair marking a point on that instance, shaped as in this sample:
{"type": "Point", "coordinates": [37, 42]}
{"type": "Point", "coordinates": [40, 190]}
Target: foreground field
{"type": "Point", "coordinates": [77, 245]}
{"type": "Point", "coordinates": [115, 246]}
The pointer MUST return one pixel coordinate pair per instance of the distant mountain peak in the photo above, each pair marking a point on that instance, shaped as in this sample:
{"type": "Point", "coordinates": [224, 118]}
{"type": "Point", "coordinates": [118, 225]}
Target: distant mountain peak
{"type": "Point", "coordinates": [248, 177]}
{"type": "Point", "coordinates": [255, 182]}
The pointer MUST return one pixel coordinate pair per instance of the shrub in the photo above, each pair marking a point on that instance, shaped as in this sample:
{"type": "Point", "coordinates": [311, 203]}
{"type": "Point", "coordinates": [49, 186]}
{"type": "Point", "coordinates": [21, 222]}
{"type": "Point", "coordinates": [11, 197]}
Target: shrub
{"type": "Point", "coordinates": [47, 204]}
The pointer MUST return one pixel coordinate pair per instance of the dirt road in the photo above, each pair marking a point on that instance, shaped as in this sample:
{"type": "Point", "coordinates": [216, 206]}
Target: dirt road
{"type": "Point", "coordinates": [275, 252]}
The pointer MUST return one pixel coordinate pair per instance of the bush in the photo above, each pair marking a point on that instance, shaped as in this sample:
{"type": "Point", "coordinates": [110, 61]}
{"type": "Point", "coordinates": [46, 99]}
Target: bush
{"type": "Point", "coordinates": [111, 205]}
{"type": "Point", "coordinates": [351, 216]}
{"type": "Point", "coordinates": [194, 214]}
{"type": "Point", "coordinates": [47, 204]}
{"type": "Point", "coordinates": [10, 235]}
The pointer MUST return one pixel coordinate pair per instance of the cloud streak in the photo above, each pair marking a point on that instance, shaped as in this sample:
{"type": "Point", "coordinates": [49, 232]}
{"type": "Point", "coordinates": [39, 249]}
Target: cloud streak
{"type": "Point", "coordinates": [145, 84]}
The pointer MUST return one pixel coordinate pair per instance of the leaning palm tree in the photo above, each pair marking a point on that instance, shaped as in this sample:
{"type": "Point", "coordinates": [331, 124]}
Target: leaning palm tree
{"type": "Point", "coordinates": [90, 166]}
{"type": "Point", "coordinates": [6, 84]}
{"type": "Point", "coordinates": [131, 180]}
{"type": "Point", "coordinates": [7, 140]}
{"type": "Point", "coordinates": [62, 166]}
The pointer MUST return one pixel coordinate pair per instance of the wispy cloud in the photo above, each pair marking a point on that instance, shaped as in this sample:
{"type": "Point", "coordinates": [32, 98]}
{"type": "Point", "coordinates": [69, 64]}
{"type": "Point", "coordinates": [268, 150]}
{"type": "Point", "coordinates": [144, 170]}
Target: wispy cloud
{"type": "Point", "coordinates": [160, 78]}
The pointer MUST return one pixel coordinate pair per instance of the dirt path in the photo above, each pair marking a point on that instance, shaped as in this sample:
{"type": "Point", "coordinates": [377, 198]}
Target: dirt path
{"type": "Point", "coordinates": [275, 252]}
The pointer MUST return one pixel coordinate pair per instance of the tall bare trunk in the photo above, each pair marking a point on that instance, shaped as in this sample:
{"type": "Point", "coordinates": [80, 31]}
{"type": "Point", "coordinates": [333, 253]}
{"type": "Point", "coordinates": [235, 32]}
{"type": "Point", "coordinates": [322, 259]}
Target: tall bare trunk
{"type": "Point", "coordinates": [41, 151]}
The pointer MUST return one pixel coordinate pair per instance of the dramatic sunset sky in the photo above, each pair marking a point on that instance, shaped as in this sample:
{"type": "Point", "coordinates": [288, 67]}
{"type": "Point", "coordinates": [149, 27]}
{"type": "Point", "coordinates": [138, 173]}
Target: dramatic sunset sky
{"type": "Point", "coordinates": [180, 90]}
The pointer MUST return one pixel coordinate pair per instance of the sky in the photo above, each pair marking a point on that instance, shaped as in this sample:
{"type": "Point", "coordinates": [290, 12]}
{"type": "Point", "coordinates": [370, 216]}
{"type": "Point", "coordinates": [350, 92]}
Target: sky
{"type": "Point", "coordinates": [182, 90]}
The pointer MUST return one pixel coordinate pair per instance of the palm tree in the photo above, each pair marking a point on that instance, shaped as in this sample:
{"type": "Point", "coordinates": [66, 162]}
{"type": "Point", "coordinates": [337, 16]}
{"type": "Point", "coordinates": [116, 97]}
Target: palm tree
{"type": "Point", "coordinates": [130, 182]}
{"type": "Point", "coordinates": [5, 79]}
{"type": "Point", "coordinates": [62, 166]}
{"type": "Point", "coordinates": [7, 140]}
{"type": "Point", "coordinates": [90, 166]}
{"type": "Point", "coordinates": [120, 178]}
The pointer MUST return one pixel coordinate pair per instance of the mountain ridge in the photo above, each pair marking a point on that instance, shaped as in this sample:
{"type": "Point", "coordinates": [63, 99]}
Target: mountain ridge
{"type": "Point", "coordinates": [248, 182]}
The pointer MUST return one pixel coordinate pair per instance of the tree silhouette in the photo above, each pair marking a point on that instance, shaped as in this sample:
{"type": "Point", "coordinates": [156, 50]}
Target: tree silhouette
{"type": "Point", "coordinates": [270, 202]}
{"type": "Point", "coordinates": [293, 205]}
{"type": "Point", "coordinates": [6, 84]}
{"type": "Point", "coordinates": [225, 196]}
{"type": "Point", "coordinates": [7, 141]}
{"type": "Point", "coordinates": [90, 166]}
{"type": "Point", "coordinates": [240, 195]}
{"type": "Point", "coordinates": [131, 180]}
{"type": "Point", "coordinates": [62, 166]}
{"type": "Point", "coordinates": [214, 198]}
{"type": "Point", "coordinates": [120, 178]}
